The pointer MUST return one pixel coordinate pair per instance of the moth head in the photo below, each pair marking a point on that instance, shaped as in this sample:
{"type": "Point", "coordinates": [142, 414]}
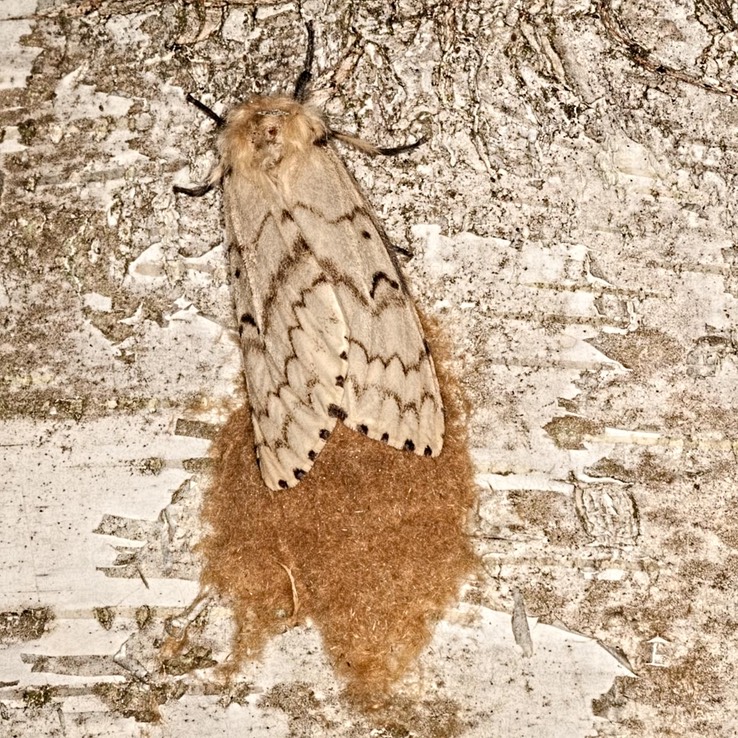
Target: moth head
{"type": "Point", "coordinates": [266, 132]}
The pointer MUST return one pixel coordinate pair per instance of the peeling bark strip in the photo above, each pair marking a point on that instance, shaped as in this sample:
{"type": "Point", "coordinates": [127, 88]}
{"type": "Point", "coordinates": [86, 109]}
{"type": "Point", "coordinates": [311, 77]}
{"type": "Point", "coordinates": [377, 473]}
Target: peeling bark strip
{"type": "Point", "coordinates": [337, 337]}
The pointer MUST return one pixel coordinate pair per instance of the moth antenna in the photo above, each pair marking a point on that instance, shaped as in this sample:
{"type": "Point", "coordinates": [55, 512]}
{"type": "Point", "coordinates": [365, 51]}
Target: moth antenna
{"type": "Point", "coordinates": [373, 149]}
{"type": "Point", "coordinates": [301, 86]}
{"type": "Point", "coordinates": [205, 109]}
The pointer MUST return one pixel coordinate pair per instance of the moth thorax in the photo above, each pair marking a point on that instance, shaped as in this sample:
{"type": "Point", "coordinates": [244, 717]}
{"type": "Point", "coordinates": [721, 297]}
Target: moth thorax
{"type": "Point", "coordinates": [267, 137]}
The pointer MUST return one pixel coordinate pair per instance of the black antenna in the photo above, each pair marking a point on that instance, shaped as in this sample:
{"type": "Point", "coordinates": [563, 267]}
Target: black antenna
{"type": "Point", "coordinates": [301, 86]}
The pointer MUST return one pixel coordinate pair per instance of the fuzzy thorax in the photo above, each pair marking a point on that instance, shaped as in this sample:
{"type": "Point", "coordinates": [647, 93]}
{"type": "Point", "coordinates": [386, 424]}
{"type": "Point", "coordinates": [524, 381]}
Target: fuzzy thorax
{"type": "Point", "coordinates": [266, 132]}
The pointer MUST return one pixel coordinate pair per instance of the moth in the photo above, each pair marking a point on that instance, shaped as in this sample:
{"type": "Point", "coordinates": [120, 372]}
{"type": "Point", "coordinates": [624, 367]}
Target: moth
{"type": "Point", "coordinates": [327, 327]}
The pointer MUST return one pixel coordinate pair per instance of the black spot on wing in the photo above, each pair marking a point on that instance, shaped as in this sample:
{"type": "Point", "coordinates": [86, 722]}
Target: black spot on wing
{"type": "Point", "coordinates": [336, 411]}
{"type": "Point", "coordinates": [312, 455]}
{"type": "Point", "coordinates": [299, 474]}
{"type": "Point", "coordinates": [428, 451]}
{"type": "Point", "coordinates": [385, 437]}
{"type": "Point", "coordinates": [283, 484]}
{"type": "Point", "coordinates": [409, 445]}
{"type": "Point", "coordinates": [324, 434]}
{"type": "Point", "coordinates": [363, 429]}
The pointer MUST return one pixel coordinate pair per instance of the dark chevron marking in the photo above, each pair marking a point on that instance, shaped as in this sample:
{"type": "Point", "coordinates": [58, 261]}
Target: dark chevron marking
{"type": "Point", "coordinates": [248, 318]}
{"type": "Point", "coordinates": [351, 216]}
{"type": "Point", "coordinates": [356, 211]}
{"type": "Point", "coordinates": [422, 356]}
{"type": "Point", "coordinates": [286, 216]}
{"type": "Point", "coordinates": [337, 412]}
{"type": "Point", "coordinates": [260, 348]}
{"type": "Point", "coordinates": [301, 243]}
{"type": "Point", "coordinates": [412, 406]}
{"type": "Point", "coordinates": [332, 274]}
{"type": "Point", "coordinates": [377, 278]}
{"type": "Point", "coordinates": [259, 229]}
{"type": "Point", "coordinates": [273, 293]}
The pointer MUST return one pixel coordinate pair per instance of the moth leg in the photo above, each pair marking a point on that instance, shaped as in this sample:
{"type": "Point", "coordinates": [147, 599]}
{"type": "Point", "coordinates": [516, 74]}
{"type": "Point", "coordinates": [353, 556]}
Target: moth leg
{"type": "Point", "coordinates": [205, 109]}
{"type": "Point", "coordinates": [395, 150]}
{"type": "Point", "coordinates": [203, 189]}
{"type": "Point", "coordinates": [194, 191]}
{"type": "Point", "coordinates": [373, 149]}
{"type": "Point", "coordinates": [403, 252]}
{"type": "Point", "coordinates": [301, 86]}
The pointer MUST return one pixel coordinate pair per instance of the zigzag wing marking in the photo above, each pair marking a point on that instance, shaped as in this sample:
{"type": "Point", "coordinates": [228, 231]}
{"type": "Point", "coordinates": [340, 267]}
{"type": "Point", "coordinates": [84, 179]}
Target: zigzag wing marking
{"type": "Point", "coordinates": [293, 333]}
{"type": "Point", "coordinates": [392, 392]}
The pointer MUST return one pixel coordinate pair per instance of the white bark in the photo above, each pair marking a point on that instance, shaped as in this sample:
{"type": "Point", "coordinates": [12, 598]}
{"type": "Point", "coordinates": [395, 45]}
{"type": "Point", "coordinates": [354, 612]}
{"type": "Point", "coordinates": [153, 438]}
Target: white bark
{"type": "Point", "coordinates": [573, 218]}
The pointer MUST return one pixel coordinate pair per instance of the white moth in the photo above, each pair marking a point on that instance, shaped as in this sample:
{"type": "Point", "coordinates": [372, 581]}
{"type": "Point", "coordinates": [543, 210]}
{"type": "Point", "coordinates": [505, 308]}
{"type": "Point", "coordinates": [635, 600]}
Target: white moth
{"type": "Point", "coordinates": [327, 327]}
